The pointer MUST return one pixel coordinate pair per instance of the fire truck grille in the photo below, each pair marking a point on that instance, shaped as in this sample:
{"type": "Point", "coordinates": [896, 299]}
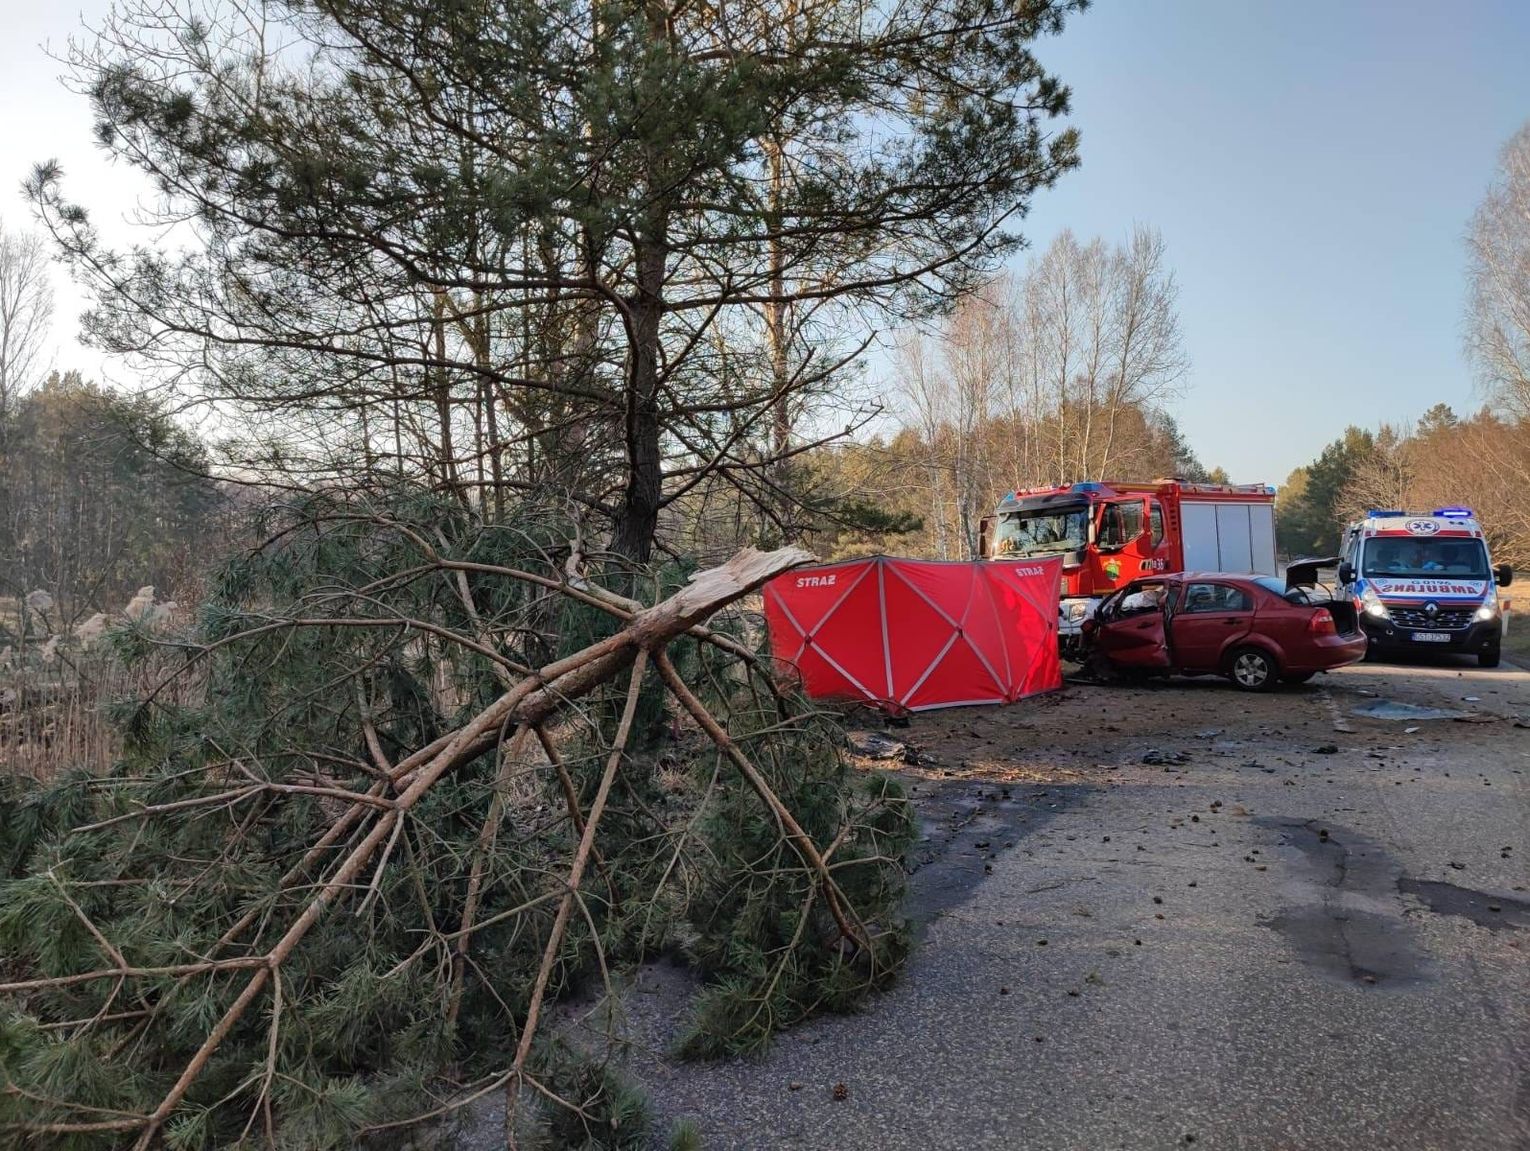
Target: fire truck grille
{"type": "Point", "coordinates": [1446, 619]}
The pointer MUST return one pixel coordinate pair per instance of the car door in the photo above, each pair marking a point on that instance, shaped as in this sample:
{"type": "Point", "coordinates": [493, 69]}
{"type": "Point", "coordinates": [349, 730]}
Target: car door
{"type": "Point", "coordinates": [1212, 615]}
{"type": "Point", "coordinates": [1131, 638]}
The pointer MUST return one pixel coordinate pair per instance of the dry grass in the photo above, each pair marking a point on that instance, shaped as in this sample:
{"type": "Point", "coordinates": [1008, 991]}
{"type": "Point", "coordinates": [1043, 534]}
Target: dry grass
{"type": "Point", "coordinates": [1516, 644]}
{"type": "Point", "coordinates": [57, 718]}
{"type": "Point", "coordinates": [56, 700]}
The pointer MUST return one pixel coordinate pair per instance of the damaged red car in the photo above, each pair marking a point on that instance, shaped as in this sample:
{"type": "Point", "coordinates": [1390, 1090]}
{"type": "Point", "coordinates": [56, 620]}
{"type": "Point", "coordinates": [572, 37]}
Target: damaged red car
{"type": "Point", "coordinates": [1255, 630]}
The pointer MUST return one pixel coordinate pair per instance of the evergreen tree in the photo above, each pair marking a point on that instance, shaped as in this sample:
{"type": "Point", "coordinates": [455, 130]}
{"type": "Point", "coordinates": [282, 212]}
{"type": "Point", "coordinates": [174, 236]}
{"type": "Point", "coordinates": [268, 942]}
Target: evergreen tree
{"type": "Point", "coordinates": [1310, 509]}
{"type": "Point", "coordinates": [528, 239]}
{"type": "Point", "coordinates": [1439, 419]}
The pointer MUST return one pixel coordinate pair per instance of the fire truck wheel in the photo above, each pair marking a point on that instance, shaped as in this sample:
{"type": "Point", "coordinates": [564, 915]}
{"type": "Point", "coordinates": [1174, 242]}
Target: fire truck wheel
{"type": "Point", "coordinates": [1253, 669]}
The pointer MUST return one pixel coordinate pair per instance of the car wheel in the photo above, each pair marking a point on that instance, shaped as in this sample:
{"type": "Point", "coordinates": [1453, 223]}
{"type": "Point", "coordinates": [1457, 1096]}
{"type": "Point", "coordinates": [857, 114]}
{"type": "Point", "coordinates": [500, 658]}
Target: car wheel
{"type": "Point", "coordinates": [1252, 669]}
{"type": "Point", "coordinates": [1297, 676]}
{"type": "Point", "coordinates": [1488, 658]}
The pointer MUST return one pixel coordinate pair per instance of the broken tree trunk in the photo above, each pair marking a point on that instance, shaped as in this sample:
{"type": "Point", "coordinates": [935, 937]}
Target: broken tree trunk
{"type": "Point", "coordinates": [526, 707]}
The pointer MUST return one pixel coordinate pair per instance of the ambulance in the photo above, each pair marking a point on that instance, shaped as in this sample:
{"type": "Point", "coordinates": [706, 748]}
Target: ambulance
{"type": "Point", "coordinates": [1425, 582]}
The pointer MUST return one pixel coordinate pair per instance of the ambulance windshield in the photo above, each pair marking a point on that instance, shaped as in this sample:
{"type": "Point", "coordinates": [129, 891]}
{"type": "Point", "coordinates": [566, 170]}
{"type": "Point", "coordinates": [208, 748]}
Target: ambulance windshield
{"type": "Point", "coordinates": [1420, 556]}
{"type": "Point", "coordinates": [1053, 531]}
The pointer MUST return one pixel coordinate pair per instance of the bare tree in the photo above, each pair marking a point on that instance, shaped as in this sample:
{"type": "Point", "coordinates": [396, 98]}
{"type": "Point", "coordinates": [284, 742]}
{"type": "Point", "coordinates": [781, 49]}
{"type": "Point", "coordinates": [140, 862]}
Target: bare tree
{"type": "Point", "coordinates": [1053, 309]}
{"type": "Point", "coordinates": [1056, 375]}
{"type": "Point", "coordinates": [1498, 317]}
{"type": "Point", "coordinates": [1147, 360]}
{"type": "Point", "coordinates": [26, 307]}
{"type": "Point", "coordinates": [1387, 477]}
{"type": "Point", "coordinates": [979, 346]}
{"type": "Point", "coordinates": [928, 398]}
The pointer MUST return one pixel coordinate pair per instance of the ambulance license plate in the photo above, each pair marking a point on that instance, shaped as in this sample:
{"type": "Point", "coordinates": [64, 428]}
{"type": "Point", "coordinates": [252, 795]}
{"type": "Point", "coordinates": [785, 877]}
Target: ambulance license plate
{"type": "Point", "coordinates": [1431, 637]}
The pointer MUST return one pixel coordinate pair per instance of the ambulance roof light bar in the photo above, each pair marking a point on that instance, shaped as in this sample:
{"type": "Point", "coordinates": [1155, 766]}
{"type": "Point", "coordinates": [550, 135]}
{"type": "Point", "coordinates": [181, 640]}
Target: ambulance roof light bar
{"type": "Point", "coordinates": [1453, 512]}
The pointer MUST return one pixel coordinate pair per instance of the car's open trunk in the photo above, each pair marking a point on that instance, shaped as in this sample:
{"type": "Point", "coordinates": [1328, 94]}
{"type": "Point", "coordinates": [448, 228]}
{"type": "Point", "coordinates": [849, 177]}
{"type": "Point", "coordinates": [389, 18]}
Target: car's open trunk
{"type": "Point", "coordinates": [1345, 618]}
{"type": "Point", "coordinates": [1303, 573]}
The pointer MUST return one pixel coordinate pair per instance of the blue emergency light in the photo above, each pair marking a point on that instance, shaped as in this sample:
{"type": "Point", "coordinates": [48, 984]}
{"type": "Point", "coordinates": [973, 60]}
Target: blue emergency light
{"type": "Point", "coordinates": [1379, 513]}
{"type": "Point", "coordinates": [1455, 513]}
{"type": "Point", "coordinates": [1089, 486]}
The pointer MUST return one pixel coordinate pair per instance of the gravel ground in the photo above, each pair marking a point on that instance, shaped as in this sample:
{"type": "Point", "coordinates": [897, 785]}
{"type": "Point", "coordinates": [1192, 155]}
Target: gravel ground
{"type": "Point", "coordinates": [1179, 915]}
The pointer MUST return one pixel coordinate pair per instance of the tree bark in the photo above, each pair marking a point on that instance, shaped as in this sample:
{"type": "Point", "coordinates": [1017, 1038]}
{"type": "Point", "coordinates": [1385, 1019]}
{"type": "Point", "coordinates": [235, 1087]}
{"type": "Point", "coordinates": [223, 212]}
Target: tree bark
{"type": "Point", "coordinates": [637, 519]}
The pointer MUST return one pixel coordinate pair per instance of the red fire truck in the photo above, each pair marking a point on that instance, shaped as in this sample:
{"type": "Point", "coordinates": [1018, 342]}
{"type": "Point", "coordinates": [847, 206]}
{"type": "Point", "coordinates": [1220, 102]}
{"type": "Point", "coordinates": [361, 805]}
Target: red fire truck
{"type": "Point", "coordinates": [1110, 533]}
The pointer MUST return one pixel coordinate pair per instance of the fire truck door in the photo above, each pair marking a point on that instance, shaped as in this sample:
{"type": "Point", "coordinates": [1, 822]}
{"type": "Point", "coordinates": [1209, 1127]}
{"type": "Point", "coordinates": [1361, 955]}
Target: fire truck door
{"type": "Point", "coordinates": [1124, 540]}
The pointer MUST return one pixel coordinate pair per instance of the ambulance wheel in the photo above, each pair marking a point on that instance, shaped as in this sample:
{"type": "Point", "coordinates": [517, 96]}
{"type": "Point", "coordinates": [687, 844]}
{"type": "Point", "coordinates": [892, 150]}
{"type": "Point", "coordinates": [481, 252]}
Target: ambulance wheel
{"type": "Point", "coordinates": [1252, 669]}
{"type": "Point", "coordinates": [1488, 658]}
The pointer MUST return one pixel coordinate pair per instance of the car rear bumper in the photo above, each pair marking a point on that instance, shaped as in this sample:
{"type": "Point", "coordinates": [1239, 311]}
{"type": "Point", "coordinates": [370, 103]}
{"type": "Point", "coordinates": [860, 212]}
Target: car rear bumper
{"type": "Point", "coordinates": [1324, 653]}
{"type": "Point", "coordinates": [1384, 635]}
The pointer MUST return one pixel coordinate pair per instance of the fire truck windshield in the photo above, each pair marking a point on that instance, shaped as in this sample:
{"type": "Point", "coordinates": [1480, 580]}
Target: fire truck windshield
{"type": "Point", "coordinates": [1053, 531]}
{"type": "Point", "coordinates": [1464, 559]}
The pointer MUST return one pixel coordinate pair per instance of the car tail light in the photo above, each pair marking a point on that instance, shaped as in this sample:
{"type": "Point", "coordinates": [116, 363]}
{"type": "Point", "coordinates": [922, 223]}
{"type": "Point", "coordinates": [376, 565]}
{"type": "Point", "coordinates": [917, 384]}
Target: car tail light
{"type": "Point", "coordinates": [1321, 623]}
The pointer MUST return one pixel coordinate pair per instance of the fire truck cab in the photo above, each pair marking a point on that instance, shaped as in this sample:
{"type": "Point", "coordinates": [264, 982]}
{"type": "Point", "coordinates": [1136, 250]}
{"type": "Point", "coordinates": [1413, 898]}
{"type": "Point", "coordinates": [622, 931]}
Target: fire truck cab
{"type": "Point", "coordinates": [1424, 581]}
{"type": "Point", "coordinates": [1112, 533]}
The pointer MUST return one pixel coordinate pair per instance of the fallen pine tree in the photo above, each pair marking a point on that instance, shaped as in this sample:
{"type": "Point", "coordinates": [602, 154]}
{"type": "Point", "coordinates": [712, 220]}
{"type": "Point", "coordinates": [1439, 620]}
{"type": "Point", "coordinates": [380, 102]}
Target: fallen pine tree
{"type": "Point", "coordinates": [438, 778]}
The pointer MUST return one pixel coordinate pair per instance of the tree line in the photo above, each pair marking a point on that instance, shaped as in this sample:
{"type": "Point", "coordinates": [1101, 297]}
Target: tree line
{"type": "Point", "coordinates": [104, 493]}
{"type": "Point", "coordinates": [101, 492]}
{"type": "Point", "coordinates": [1481, 461]}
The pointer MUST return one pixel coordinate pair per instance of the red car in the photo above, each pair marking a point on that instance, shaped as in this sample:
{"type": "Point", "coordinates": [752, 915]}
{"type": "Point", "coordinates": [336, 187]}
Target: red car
{"type": "Point", "coordinates": [1255, 630]}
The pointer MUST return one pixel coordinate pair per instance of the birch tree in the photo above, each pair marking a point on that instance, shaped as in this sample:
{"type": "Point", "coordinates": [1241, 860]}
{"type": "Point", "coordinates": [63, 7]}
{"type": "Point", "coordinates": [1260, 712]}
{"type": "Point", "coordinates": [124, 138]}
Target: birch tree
{"type": "Point", "coordinates": [1147, 360]}
{"type": "Point", "coordinates": [26, 309]}
{"type": "Point", "coordinates": [927, 396]}
{"type": "Point", "coordinates": [1498, 313]}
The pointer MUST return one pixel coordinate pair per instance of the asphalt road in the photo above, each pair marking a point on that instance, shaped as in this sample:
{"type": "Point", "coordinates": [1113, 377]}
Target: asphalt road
{"type": "Point", "coordinates": [1313, 931]}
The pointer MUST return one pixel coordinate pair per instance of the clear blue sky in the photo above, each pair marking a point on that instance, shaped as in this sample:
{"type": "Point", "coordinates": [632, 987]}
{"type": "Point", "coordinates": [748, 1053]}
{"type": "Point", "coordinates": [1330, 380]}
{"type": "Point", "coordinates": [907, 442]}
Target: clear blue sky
{"type": "Point", "coordinates": [1313, 167]}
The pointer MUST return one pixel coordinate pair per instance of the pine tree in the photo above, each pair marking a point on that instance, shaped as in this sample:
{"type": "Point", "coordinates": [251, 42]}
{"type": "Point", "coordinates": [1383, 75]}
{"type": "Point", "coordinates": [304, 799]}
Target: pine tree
{"type": "Point", "coordinates": [530, 245]}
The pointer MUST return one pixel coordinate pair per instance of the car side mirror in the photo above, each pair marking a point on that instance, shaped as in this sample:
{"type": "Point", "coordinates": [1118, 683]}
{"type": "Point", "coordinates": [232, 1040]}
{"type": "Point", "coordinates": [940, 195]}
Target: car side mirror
{"type": "Point", "coordinates": [1089, 626]}
{"type": "Point", "coordinates": [1504, 575]}
{"type": "Point", "coordinates": [1346, 573]}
